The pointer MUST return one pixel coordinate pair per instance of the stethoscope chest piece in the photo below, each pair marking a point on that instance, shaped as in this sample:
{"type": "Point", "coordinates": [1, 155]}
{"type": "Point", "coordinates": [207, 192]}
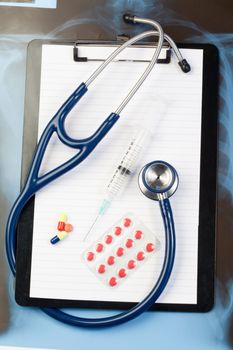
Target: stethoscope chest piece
{"type": "Point", "coordinates": [158, 180]}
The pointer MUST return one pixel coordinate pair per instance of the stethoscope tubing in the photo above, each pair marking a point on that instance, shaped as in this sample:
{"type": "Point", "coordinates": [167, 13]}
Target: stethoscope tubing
{"type": "Point", "coordinates": [149, 300]}
{"type": "Point", "coordinates": [85, 147]}
{"type": "Point", "coordinates": [35, 182]}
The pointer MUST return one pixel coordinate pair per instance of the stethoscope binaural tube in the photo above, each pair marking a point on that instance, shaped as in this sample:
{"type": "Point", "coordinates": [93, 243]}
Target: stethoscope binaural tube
{"type": "Point", "coordinates": [184, 65]}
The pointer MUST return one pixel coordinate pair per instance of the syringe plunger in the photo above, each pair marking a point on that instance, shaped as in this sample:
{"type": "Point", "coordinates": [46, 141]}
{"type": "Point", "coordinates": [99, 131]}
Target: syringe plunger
{"type": "Point", "coordinates": [125, 168]}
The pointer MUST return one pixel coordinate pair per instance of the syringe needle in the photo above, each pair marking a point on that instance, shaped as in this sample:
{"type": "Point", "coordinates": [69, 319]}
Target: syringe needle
{"type": "Point", "coordinates": [103, 207]}
{"type": "Point", "coordinates": [122, 172]}
{"type": "Point", "coordinates": [92, 226]}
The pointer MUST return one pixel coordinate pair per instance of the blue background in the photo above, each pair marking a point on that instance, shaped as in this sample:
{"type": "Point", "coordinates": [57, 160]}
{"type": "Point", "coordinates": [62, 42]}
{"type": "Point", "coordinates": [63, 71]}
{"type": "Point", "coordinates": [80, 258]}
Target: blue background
{"type": "Point", "coordinates": [163, 330]}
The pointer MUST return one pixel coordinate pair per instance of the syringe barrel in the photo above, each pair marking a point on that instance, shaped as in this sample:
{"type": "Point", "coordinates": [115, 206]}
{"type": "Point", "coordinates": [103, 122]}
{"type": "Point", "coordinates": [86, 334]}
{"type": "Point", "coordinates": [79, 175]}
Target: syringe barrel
{"type": "Point", "coordinates": [128, 164]}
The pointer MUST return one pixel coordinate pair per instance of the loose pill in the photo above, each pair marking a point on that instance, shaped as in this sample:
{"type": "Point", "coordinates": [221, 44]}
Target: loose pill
{"type": "Point", "coordinates": [59, 237]}
{"type": "Point", "coordinates": [138, 234]}
{"type": "Point", "coordinates": [112, 281]}
{"type": "Point", "coordinates": [68, 227]}
{"type": "Point", "coordinates": [62, 235]}
{"type": "Point", "coordinates": [108, 239]}
{"type": "Point", "coordinates": [61, 222]}
{"type": "Point", "coordinates": [61, 226]}
{"type": "Point", "coordinates": [140, 256]}
{"type": "Point", "coordinates": [99, 247]}
{"type": "Point", "coordinates": [127, 222]}
{"type": "Point", "coordinates": [150, 247]}
{"type": "Point", "coordinates": [101, 268]}
{"type": "Point", "coordinates": [111, 260]}
{"type": "Point", "coordinates": [131, 264]}
{"type": "Point", "coordinates": [120, 251]}
{"type": "Point", "coordinates": [54, 240]}
{"type": "Point", "coordinates": [63, 217]}
{"type": "Point", "coordinates": [129, 243]}
{"type": "Point", "coordinates": [117, 230]}
{"type": "Point", "coordinates": [90, 256]}
{"type": "Point", "coordinates": [122, 273]}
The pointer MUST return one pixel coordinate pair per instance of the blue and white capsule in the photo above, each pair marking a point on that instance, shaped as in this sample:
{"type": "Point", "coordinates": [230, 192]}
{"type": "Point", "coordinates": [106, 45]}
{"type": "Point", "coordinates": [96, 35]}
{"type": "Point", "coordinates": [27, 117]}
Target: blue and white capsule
{"type": "Point", "coordinates": [59, 237]}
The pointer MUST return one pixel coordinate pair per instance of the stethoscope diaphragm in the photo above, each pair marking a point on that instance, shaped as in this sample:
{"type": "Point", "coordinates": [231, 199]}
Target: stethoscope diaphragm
{"type": "Point", "coordinates": [158, 180]}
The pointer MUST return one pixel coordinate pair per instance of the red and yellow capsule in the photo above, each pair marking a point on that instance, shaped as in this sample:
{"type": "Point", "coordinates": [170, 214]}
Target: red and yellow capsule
{"type": "Point", "coordinates": [62, 222]}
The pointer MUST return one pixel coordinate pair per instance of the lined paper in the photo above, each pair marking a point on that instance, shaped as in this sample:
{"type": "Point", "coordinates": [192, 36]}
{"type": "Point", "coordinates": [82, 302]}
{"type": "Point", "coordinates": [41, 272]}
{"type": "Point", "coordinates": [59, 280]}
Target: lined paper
{"type": "Point", "coordinates": [168, 105]}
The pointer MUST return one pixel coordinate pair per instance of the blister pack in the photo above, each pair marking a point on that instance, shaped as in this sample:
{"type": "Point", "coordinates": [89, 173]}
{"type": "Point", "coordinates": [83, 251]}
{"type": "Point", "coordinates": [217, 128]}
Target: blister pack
{"type": "Point", "coordinates": [121, 250]}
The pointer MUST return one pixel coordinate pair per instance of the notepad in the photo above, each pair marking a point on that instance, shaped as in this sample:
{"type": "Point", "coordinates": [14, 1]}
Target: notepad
{"type": "Point", "coordinates": [169, 105]}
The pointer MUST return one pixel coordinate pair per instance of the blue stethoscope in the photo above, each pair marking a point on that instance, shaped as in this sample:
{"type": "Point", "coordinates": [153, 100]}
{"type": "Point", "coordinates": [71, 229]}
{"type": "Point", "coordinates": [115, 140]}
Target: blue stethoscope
{"type": "Point", "coordinates": [157, 180]}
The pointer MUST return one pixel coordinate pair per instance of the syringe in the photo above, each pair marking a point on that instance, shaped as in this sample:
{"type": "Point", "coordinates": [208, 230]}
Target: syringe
{"type": "Point", "coordinates": [124, 170]}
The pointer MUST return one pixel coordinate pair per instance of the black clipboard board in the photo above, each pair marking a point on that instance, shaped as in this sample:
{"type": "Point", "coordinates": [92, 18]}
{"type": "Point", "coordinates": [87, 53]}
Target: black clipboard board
{"type": "Point", "coordinates": [207, 195]}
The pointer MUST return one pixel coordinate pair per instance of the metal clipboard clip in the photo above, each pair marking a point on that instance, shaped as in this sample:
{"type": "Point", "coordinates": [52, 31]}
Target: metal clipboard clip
{"type": "Point", "coordinates": [120, 38]}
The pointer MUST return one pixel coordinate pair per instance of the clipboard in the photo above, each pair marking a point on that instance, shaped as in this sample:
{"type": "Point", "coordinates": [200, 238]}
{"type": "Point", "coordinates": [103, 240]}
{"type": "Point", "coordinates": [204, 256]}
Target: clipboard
{"type": "Point", "coordinates": [207, 193]}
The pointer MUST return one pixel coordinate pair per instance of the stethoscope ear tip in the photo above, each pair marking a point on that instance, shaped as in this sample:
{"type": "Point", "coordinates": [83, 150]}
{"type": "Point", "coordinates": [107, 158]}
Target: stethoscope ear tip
{"type": "Point", "coordinates": [185, 66]}
{"type": "Point", "coordinates": [128, 18]}
{"type": "Point", "coordinates": [158, 180]}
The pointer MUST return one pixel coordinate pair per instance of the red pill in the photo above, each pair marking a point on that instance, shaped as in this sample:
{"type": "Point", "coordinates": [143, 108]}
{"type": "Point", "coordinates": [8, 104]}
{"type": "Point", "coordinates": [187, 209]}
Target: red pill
{"type": "Point", "coordinates": [112, 281]}
{"type": "Point", "coordinates": [138, 234]}
{"type": "Point", "coordinates": [129, 243]}
{"type": "Point", "coordinates": [99, 247]}
{"type": "Point", "coordinates": [68, 227]}
{"type": "Point", "coordinates": [140, 256]}
{"type": "Point", "coordinates": [120, 251]}
{"type": "Point", "coordinates": [111, 260]}
{"type": "Point", "coordinates": [122, 273]}
{"type": "Point", "coordinates": [108, 239]}
{"type": "Point", "coordinates": [90, 256]}
{"type": "Point", "coordinates": [61, 226]}
{"type": "Point", "coordinates": [127, 222]}
{"type": "Point", "coordinates": [101, 268]}
{"type": "Point", "coordinates": [131, 264]}
{"type": "Point", "coordinates": [150, 247]}
{"type": "Point", "coordinates": [118, 230]}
